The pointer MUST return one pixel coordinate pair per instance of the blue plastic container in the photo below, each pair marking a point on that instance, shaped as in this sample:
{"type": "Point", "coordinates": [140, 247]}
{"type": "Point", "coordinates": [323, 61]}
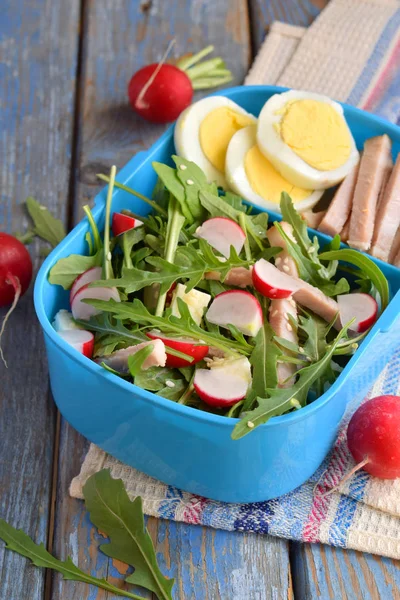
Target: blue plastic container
{"type": "Point", "coordinates": [182, 446]}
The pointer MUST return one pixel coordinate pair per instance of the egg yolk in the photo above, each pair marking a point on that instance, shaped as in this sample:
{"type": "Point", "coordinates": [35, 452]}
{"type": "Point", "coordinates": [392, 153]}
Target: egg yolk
{"type": "Point", "coordinates": [216, 131]}
{"type": "Point", "coordinates": [266, 181]}
{"type": "Point", "coordinates": [317, 133]}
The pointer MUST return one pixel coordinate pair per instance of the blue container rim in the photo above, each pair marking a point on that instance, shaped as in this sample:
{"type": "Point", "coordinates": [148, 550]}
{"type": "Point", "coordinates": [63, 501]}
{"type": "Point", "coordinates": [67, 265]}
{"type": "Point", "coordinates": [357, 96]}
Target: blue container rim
{"type": "Point", "coordinates": [169, 405]}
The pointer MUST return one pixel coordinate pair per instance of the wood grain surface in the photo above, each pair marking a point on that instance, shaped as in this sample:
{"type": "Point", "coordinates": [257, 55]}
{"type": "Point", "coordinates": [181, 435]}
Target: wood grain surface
{"type": "Point", "coordinates": [37, 90]}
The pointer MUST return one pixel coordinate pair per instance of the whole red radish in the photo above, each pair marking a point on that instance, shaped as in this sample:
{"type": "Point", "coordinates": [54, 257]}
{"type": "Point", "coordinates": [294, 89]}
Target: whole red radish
{"type": "Point", "coordinates": [160, 92]}
{"type": "Point", "coordinates": [15, 275]}
{"type": "Point", "coordinates": [15, 269]}
{"type": "Point", "coordinates": [168, 94]}
{"type": "Point", "coordinates": [373, 437]}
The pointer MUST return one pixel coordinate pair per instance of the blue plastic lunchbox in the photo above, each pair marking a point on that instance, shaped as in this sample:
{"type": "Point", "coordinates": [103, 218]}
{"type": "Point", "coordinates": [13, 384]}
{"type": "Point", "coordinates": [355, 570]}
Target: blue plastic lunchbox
{"type": "Point", "coordinates": [182, 446]}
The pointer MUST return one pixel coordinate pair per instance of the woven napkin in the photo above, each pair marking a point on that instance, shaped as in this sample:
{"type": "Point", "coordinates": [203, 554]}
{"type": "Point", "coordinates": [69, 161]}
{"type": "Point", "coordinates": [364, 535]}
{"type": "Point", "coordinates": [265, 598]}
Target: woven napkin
{"type": "Point", "coordinates": [350, 52]}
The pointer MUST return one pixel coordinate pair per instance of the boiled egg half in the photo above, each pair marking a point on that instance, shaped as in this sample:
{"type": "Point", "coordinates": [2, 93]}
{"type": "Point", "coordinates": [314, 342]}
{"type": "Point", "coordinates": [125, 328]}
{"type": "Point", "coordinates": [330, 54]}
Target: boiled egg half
{"type": "Point", "coordinates": [251, 175]}
{"type": "Point", "coordinates": [204, 130]}
{"type": "Point", "coordinates": [306, 137]}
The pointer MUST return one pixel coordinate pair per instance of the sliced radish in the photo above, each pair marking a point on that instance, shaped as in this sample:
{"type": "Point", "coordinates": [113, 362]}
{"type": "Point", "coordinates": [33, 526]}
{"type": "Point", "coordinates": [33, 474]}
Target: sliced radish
{"type": "Point", "coordinates": [80, 310]}
{"type": "Point", "coordinates": [64, 321]}
{"type": "Point", "coordinates": [360, 306]}
{"type": "Point", "coordinates": [93, 274]}
{"type": "Point", "coordinates": [238, 308]}
{"type": "Point", "coordinates": [186, 345]}
{"type": "Point", "coordinates": [271, 282]}
{"type": "Point", "coordinates": [222, 233]}
{"type": "Point", "coordinates": [222, 386]}
{"type": "Point", "coordinates": [122, 223]}
{"type": "Point", "coordinates": [81, 340]}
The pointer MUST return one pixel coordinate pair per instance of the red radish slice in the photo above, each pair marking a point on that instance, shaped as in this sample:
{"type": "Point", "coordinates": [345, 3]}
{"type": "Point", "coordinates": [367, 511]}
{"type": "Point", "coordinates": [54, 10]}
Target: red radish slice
{"type": "Point", "coordinates": [80, 310]}
{"type": "Point", "coordinates": [373, 437]}
{"type": "Point", "coordinates": [239, 308]}
{"type": "Point", "coordinates": [271, 282]}
{"type": "Point", "coordinates": [222, 386]}
{"type": "Point", "coordinates": [81, 340]}
{"type": "Point", "coordinates": [360, 306]}
{"type": "Point", "coordinates": [122, 223]}
{"type": "Point", "coordinates": [186, 345]}
{"type": "Point", "coordinates": [222, 233]}
{"type": "Point", "coordinates": [93, 274]}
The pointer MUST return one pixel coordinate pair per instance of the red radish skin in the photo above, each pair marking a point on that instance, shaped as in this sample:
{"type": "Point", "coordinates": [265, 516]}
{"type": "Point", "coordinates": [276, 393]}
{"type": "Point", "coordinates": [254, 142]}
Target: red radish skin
{"type": "Point", "coordinates": [360, 306]}
{"type": "Point", "coordinates": [15, 276]}
{"type": "Point", "coordinates": [222, 233]}
{"type": "Point", "coordinates": [225, 385]}
{"type": "Point", "coordinates": [373, 437]}
{"type": "Point", "coordinates": [168, 94]}
{"type": "Point", "coordinates": [89, 276]}
{"type": "Point", "coordinates": [271, 282]}
{"type": "Point", "coordinates": [189, 347]}
{"type": "Point", "coordinates": [83, 311]}
{"type": "Point", "coordinates": [238, 308]}
{"type": "Point", "coordinates": [122, 223]}
{"type": "Point", "coordinates": [81, 340]}
{"type": "Point", "coordinates": [15, 268]}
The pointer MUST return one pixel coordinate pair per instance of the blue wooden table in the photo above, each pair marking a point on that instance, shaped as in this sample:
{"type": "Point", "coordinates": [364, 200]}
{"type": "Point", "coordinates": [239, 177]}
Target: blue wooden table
{"type": "Point", "coordinates": [64, 68]}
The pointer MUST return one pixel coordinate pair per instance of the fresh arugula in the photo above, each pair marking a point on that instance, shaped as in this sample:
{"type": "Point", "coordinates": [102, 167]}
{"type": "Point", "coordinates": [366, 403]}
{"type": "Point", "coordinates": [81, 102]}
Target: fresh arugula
{"type": "Point", "coordinates": [121, 186]}
{"type": "Point", "coordinates": [45, 225]}
{"type": "Point", "coordinates": [121, 519]}
{"type": "Point", "coordinates": [128, 240]}
{"type": "Point", "coordinates": [97, 243]}
{"type": "Point", "coordinates": [155, 378]}
{"type": "Point", "coordinates": [19, 542]}
{"type": "Point", "coordinates": [135, 361]}
{"type": "Point", "coordinates": [178, 326]}
{"type": "Point", "coordinates": [366, 265]}
{"type": "Point", "coordinates": [281, 400]}
{"type": "Point", "coordinates": [66, 270]}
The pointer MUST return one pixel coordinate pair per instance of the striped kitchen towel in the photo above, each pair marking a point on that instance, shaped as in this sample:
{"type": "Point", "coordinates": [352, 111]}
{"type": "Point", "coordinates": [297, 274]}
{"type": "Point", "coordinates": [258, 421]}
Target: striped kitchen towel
{"type": "Point", "coordinates": [351, 52]}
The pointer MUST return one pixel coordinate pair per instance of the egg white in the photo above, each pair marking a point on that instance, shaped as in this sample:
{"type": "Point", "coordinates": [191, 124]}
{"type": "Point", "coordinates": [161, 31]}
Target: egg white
{"type": "Point", "coordinates": [285, 160]}
{"type": "Point", "coordinates": [237, 179]}
{"type": "Point", "coordinates": [187, 134]}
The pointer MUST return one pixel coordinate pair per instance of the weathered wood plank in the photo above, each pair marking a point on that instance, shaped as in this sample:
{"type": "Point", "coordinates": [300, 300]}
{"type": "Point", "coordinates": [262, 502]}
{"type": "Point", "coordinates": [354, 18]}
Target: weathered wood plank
{"type": "Point", "coordinates": [331, 573]}
{"type": "Point", "coordinates": [38, 43]}
{"type": "Point", "coordinates": [295, 12]}
{"type": "Point", "coordinates": [119, 38]}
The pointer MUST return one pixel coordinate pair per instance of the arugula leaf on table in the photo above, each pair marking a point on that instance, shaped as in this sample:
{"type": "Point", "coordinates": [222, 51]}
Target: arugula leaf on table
{"type": "Point", "coordinates": [66, 270]}
{"type": "Point", "coordinates": [367, 266]}
{"type": "Point", "coordinates": [17, 541]}
{"type": "Point", "coordinates": [264, 362]}
{"type": "Point", "coordinates": [121, 519]}
{"type": "Point", "coordinates": [178, 326]}
{"type": "Point", "coordinates": [281, 400]}
{"type": "Point", "coordinates": [45, 225]}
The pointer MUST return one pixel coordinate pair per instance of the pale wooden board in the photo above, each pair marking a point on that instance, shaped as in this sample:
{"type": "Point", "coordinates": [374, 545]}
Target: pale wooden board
{"type": "Point", "coordinates": [38, 43]}
{"type": "Point", "coordinates": [118, 40]}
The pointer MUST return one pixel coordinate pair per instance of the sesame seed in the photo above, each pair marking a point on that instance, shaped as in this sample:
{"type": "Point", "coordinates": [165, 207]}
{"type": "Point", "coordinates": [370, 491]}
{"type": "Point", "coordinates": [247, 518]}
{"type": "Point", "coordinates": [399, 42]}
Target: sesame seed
{"type": "Point", "coordinates": [41, 207]}
{"type": "Point", "coordinates": [365, 210]}
{"type": "Point", "coordinates": [286, 260]}
{"type": "Point", "coordinates": [275, 313]}
{"type": "Point", "coordinates": [169, 383]}
{"type": "Point", "coordinates": [311, 250]}
{"type": "Point", "coordinates": [292, 302]}
{"type": "Point", "coordinates": [289, 327]}
{"type": "Point", "coordinates": [109, 256]}
{"type": "Point", "coordinates": [301, 349]}
{"type": "Point", "coordinates": [294, 402]}
{"type": "Point", "coordinates": [278, 260]}
{"type": "Point", "coordinates": [183, 167]}
{"type": "Point", "coordinates": [355, 346]}
{"type": "Point", "coordinates": [286, 268]}
{"type": "Point", "coordinates": [190, 182]}
{"type": "Point", "coordinates": [286, 317]}
{"type": "Point", "coordinates": [250, 424]}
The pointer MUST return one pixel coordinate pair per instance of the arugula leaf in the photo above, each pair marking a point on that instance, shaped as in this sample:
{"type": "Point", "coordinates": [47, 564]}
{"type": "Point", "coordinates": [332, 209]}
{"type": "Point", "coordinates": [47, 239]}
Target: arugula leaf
{"type": "Point", "coordinates": [110, 335]}
{"type": "Point", "coordinates": [287, 345]}
{"type": "Point", "coordinates": [155, 378]}
{"type": "Point", "coordinates": [193, 180]}
{"type": "Point", "coordinates": [19, 542]}
{"type": "Point", "coordinates": [264, 362]}
{"type": "Point", "coordinates": [315, 329]}
{"type": "Point", "coordinates": [180, 326]}
{"type": "Point", "coordinates": [129, 239]}
{"type": "Point", "coordinates": [367, 266]}
{"type": "Point", "coordinates": [66, 270]}
{"type": "Point", "coordinates": [173, 393]}
{"type": "Point", "coordinates": [135, 361]}
{"type": "Point", "coordinates": [45, 225]}
{"type": "Point", "coordinates": [97, 241]}
{"type": "Point", "coordinates": [282, 400]}
{"type": "Point", "coordinates": [121, 519]}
